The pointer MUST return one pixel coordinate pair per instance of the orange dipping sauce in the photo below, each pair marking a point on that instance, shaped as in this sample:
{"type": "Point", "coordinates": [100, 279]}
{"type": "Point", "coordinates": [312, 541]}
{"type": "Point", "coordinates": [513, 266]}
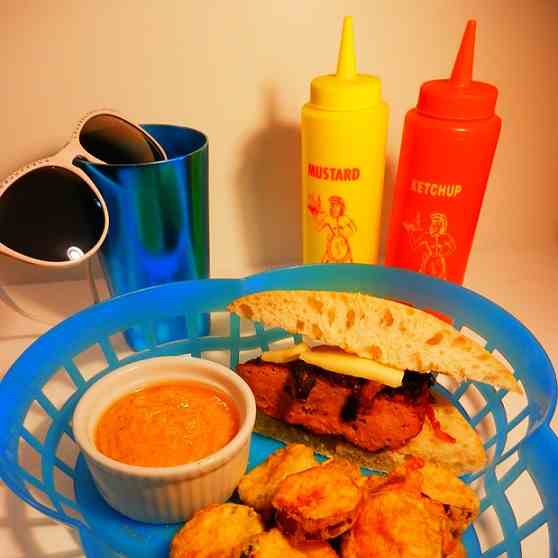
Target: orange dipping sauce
{"type": "Point", "coordinates": [167, 424]}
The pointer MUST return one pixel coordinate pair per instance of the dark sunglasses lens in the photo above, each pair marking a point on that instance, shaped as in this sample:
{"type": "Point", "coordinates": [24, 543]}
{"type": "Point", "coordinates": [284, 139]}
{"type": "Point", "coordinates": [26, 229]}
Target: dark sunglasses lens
{"type": "Point", "coordinates": [50, 214]}
{"type": "Point", "coordinates": [114, 141]}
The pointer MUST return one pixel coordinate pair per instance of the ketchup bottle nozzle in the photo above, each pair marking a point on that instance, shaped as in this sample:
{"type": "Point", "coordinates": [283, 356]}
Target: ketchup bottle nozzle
{"type": "Point", "coordinates": [459, 97]}
{"type": "Point", "coordinates": [462, 73]}
{"type": "Point", "coordinates": [346, 64]}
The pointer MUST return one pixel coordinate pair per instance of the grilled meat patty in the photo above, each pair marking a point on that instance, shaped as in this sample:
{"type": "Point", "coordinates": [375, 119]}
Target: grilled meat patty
{"type": "Point", "coordinates": [366, 413]}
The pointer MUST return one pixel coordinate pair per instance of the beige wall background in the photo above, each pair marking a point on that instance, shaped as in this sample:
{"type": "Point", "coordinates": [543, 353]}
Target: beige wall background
{"type": "Point", "coordinates": [240, 71]}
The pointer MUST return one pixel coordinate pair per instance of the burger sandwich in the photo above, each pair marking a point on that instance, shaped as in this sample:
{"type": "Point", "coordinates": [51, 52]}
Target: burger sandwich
{"type": "Point", "coordinates": [360, 387]}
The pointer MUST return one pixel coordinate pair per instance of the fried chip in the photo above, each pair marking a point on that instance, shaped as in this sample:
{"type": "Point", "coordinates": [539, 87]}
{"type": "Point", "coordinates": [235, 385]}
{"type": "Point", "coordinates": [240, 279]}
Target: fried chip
{"type": "Point", "coordinates": [395, 523]}
{"type": "Point", "coordinates": [442, 486]}
{"type": "Point", "coordinates": [317, 549]}
{"type": "Point", "coordinates": [418, 511]}
{"type": "Point", "coordinates": [273, 544]}
{"type": "Point", "coordinates": [257, 488]}
{"type": "Point", "coordinates": [217, 531]}
{"type": "Point", "coordinates": [319, 503]}
{"type": "Point", "coordinates": [458, 552]}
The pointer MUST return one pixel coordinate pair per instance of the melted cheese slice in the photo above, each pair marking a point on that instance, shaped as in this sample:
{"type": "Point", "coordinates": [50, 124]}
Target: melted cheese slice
{"type": "Point", "coordinates": [337, 360]}
{"type": "Point", "coordinates": [281, 356]}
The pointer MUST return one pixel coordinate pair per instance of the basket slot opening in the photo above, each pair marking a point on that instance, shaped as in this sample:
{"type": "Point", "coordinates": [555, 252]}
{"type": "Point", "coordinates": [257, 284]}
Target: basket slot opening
{"type": "Point", "coordinates": [492, 404]}
{"type": "Point", "coordinates": [478, 486]}
{"type": "Point", "coordinates": [517, 430]}
{"type": "Point", "coordinates": [220, 325]}
{"type": "Point", "coordinates": [40, 496]}
{"type": "Point", "coordinates": [451, 384]}
{"type": "Point", "coordinates": [487, 431]}
{"type": "Point", "coordinates": [506, 465]}
{"type": "Point", "coordinates": [472, 334]}
{"type": "Point", "coordinates": [490, 452]}
{"type": "Point", "coordinates": [514, 403]}
{"type": "Point", "coordinates": [536, 543]}
{"type": "Point", "coordinates": [281, 344]}
{"type": "Point", "coordinates": [524, 498]}
{"type": "Point", "coordinates": [59, 388]}
{"type": "Point", "coordinates": [29, 456]}
{"type": "Point", "coordinates": [47, 405]}
{"type": "Point", "coordinates": [67, 451]}
{"type": "Point", "coordinates": [498, 355]}
{"type": "Point", "coordinates": [63, 483]}
{"type": "Point", "coordinates": [461, 388]}
{"type": "Point", "coordinates": [221, 357]}
{"type": "Point", "coordinates": [37, 421]}
{"type": "Point", "coordinates": [249, 354]}
{"type": "Point", "coordinates": [63, 467]}
{"type": "Point", "coordinates": [247, 328]}
{"type": "Point", "coordinates": [74, 374]}
{"type": "Point", "coordinates": [91, 361]}
{"type": "Point", "coordinates": [472, 401]}
{"type": "Point", "coordinates": [120, 346]}
{"type": "Point", "coordinates": [486, 428]}
{"type": "Point", "coordinates": [73, 514]}
{"type": "Point", "coordinates": [488, 529]}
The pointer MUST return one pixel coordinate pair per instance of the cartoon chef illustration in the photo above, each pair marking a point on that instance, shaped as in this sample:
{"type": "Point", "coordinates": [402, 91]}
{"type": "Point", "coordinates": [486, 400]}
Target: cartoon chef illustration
{"type": "Point", "coordinates": [337, 226]}
{"type": "Point", "coordinates": [434, 244]}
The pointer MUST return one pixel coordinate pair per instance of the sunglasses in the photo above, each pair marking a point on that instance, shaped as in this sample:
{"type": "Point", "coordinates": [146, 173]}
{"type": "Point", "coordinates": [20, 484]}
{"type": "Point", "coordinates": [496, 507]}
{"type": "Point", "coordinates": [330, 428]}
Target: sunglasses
{"type": "Point", "coordinates": [51, 213]}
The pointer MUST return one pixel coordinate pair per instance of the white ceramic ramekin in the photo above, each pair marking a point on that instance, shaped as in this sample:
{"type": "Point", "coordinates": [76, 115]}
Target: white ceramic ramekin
{"type": "Point", "coordinates": [165, 494]}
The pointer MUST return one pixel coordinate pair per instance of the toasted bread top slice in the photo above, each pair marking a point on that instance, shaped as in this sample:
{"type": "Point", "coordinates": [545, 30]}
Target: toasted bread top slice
{"type": "Point", "coordinates": [389, 332]}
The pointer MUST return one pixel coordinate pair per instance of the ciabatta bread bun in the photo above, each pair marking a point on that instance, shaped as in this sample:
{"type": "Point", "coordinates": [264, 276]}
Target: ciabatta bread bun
{"type": "Point", "coordinates": [389, 332]}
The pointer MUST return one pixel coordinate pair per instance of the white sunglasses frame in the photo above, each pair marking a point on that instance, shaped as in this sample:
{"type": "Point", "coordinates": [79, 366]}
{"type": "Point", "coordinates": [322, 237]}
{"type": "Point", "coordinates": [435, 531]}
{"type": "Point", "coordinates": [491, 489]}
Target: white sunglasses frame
{"type": "Point", "coordinates": [65, 159]}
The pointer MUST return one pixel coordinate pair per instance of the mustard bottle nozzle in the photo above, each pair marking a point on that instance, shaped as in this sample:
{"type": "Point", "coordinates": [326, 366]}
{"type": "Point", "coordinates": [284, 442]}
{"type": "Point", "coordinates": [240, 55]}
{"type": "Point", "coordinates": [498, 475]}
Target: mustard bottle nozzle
{"type": "Point", "coordinates": [463, 68]}
{"type": "Point", "coordinates": [345, 90]}
{"type": "Point", "coordinates": [346, 64]}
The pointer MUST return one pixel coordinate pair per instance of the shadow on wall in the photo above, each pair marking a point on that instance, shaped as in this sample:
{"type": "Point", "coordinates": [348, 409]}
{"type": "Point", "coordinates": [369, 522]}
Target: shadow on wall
{"type": "Point", "coordinates": [268, 183]}
{"type": "Point", "coordinates": [387, 203]}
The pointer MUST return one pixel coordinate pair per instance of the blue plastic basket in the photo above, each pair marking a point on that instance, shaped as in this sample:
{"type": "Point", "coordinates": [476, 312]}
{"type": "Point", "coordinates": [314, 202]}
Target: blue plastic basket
{"type": "Point", "coordinates": [39, 460]}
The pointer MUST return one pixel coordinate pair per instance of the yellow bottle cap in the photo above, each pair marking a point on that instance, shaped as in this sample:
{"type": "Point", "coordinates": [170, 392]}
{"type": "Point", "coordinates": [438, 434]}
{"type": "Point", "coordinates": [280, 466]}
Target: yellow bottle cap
{"type": "Point", "coordinates": [345, 90]}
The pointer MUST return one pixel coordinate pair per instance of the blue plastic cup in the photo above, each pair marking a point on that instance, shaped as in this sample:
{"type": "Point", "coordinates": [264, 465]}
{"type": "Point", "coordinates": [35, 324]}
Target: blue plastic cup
{"type": "Point", "coordinates": [158, 225]}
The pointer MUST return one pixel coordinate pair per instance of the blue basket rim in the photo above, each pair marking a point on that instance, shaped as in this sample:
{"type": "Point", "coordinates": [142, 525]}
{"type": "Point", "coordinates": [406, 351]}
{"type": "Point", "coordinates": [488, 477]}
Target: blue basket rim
{"type": "Point", "coordinates": [246, 281]}
{"type": "Point", "coordinates": [242, 286]}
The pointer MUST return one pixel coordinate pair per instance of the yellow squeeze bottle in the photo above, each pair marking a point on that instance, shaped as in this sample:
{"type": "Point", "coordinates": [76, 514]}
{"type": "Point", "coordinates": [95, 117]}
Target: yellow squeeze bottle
{"type": "Point", "coordinates": [343, 132]}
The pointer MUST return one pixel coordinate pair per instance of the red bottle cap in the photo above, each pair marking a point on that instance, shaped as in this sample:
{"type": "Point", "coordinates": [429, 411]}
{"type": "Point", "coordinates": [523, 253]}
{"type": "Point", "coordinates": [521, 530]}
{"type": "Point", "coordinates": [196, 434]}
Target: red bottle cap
{"type": "Point", "coordinates": [459, 97]}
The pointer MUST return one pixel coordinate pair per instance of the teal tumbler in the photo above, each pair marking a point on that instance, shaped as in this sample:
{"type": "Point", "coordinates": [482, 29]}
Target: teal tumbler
{"type": "Point", "coordinates": [158, 225]}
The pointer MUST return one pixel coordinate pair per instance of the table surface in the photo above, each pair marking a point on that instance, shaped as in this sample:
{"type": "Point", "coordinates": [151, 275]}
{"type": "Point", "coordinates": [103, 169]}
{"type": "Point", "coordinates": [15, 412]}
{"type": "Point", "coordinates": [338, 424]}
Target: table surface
{"type": "Point", "coordinates": [524, 283]}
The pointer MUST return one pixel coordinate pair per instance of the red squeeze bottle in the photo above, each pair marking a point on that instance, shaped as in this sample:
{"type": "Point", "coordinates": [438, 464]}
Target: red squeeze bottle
{"type": "Point", "coordinates": [447, 149]}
